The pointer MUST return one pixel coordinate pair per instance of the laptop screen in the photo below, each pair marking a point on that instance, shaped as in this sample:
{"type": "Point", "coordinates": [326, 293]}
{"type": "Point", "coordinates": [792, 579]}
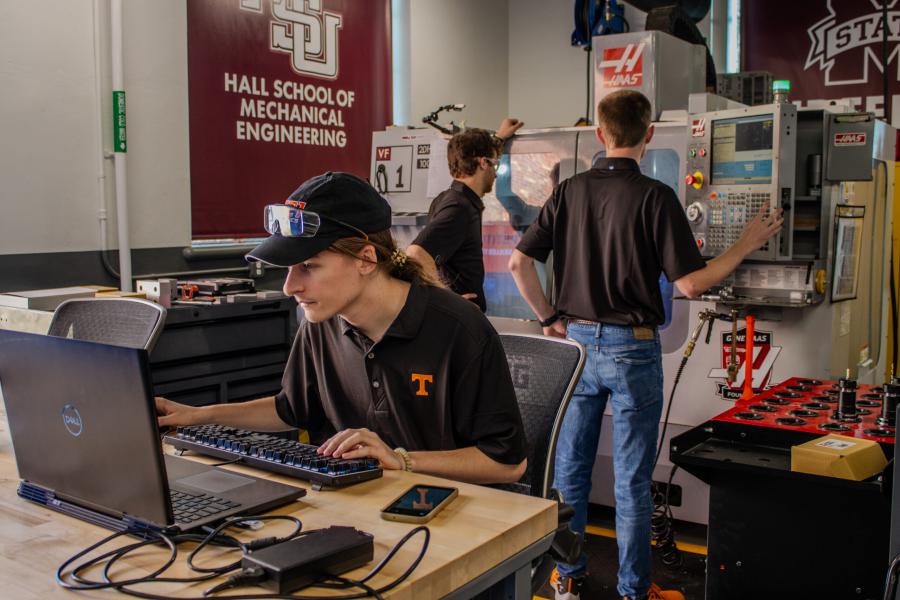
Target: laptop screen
{"type": "Point", "coordinates": [83, 423]}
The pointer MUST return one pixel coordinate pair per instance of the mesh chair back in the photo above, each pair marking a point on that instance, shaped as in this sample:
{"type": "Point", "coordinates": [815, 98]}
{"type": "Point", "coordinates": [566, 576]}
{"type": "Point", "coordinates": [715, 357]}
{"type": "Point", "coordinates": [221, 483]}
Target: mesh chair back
{"type": "Point", "coordinates": [544, 372]}
{"type": "Point", "coordinates": [127, 322]}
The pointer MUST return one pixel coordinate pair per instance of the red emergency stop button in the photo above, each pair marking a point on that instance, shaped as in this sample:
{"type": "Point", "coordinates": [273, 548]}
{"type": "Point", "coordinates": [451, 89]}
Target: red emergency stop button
{"type": "Point", "coordinates": [694, 179]}
{"type": "Point", "coordinates": [700, 243]}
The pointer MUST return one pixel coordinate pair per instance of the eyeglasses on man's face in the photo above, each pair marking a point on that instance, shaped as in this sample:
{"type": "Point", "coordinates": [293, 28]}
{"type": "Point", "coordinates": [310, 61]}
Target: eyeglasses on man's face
{"type": "Point", "coordinates": [493, 162]}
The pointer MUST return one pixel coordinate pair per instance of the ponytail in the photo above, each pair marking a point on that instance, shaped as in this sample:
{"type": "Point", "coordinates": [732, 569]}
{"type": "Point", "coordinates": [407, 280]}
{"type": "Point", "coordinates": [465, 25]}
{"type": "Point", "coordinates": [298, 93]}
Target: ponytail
{"type": "Point", "coordinates": [388, 257]}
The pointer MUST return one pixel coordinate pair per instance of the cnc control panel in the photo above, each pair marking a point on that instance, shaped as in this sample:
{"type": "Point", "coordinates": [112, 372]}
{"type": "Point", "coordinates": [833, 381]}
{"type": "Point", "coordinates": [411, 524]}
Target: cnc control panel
{"type": "Point", "coordinates": [737, 162]}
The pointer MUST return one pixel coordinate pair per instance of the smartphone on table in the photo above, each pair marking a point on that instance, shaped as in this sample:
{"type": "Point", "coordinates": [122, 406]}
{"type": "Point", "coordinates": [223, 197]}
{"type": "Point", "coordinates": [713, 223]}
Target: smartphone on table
{"type": "Point", "coordinates": [419, 503]}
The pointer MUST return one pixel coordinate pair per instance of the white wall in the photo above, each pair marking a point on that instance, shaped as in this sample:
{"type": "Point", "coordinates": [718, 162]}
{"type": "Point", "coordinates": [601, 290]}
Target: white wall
{"type": "Point", "coordinates": [546, 73]}
{"type": "Point", "coordinates": [158, 148]}
{"type": "Point", "coordinates": [459, 54]}
{"type": "Point", "coordinates": [51, 193]}
{"type": "Point", "coordinates": [48, 166]}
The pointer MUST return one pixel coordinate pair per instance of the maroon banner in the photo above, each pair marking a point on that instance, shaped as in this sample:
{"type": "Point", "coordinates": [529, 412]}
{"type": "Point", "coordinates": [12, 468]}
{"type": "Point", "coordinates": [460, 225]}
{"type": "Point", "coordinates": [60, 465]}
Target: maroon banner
{"type": "Point", "coordinates": [828, 49]}
{"type": "Point", "coordinates": [280, 90]}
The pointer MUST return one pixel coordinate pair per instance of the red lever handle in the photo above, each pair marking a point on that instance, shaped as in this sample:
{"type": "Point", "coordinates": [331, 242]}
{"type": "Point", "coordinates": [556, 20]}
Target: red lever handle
{"type": "Point", "coordinates": [748, 360]}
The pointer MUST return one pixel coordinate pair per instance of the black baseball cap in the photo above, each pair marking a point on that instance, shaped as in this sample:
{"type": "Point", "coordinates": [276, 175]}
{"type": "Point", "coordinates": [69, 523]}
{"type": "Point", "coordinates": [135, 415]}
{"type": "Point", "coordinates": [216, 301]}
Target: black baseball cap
{"type": "Point", "coordinates": [340, 199]}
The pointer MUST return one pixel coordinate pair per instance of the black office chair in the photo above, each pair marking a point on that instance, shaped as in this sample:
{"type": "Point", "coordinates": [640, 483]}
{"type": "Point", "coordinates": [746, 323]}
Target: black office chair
{"type": "Point", "coordinates": [544, 371]}
{"type": "Point", "coordinates": [127, 322]}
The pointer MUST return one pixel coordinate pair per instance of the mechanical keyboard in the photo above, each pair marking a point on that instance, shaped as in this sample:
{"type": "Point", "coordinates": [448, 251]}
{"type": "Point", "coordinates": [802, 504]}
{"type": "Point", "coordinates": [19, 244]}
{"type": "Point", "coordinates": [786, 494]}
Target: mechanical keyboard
{"type": "Point", "coordinates": [275, 454]}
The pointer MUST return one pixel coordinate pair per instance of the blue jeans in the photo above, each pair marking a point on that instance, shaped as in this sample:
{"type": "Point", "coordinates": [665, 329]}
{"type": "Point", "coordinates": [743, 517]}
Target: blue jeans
{"type": "Point", "coordinates": [627, 371]}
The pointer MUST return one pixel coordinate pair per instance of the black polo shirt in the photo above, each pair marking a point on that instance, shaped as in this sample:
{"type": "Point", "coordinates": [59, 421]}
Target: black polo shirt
{"type": "Point", "coordinates": [613, 231]}
{"type": "Point", "coordinates": [438, 380]}
{"type": "Point", "coordinates": [453, 238]}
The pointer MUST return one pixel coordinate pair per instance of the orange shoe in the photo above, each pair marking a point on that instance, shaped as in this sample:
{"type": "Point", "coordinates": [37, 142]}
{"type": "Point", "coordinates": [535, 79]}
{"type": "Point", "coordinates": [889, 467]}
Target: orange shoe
{"type": "Point", "coordinates": [656, 593]}
{"type": "Point", "coordinates": [565, 587]}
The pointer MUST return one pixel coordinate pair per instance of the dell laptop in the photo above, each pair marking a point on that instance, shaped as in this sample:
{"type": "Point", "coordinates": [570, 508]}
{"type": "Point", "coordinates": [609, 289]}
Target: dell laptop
{"type": "Point", "coordinates": [83, 425]}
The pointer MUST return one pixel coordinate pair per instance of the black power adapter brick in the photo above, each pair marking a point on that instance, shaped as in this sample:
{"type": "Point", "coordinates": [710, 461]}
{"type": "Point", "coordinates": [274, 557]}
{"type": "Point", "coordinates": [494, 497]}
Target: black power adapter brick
{"type": "Point", "coordinates": [306, 559]}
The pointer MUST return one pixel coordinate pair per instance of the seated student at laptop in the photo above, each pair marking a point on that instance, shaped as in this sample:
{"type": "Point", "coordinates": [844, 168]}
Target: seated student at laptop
{"type": "Point", "coordinates": [384, 358]}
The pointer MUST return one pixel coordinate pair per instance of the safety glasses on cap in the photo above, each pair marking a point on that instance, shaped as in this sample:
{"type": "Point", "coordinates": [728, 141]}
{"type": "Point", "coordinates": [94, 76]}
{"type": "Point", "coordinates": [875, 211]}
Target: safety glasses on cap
{"type": "Point", "coordinates": [289, 221]}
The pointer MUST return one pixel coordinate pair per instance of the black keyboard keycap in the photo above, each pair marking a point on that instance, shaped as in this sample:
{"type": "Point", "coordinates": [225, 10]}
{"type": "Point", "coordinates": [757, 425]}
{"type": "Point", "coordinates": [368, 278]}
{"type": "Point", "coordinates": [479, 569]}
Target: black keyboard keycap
{"type": "Point", "coordinates": [274, 454]}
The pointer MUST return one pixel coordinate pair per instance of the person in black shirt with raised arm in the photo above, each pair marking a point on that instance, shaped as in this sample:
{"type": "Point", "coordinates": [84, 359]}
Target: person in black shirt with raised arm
{"type": "Point", "coordinates": [450, 246]}
{"type": "Point", "coordinates": [613, 231]}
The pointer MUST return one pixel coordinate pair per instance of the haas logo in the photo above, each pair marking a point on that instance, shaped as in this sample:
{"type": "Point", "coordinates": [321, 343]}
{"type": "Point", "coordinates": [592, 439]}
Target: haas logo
{"type": "Point", "coordinates": [844, 45]}
{"type": "Point", "coordinates": [623, 67]}
{"type": "Point", "coordinates": [850, 139]}
{"type": "Point", "coordinates": [698, 127]}
{"type": "Point", "coordinates": [302, 29]}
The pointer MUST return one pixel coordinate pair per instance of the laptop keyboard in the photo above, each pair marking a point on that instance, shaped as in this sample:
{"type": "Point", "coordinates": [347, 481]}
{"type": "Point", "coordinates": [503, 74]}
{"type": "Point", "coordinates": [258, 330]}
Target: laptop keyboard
{"type": "Point", "coordinates": [188, 507]}
{"type": "Point", "coordinates": [275, 454]}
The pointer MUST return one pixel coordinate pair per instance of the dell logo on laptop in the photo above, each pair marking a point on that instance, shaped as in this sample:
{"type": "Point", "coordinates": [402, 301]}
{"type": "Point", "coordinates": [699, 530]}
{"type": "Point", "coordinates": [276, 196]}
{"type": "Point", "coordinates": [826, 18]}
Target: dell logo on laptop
{"type": "Point", "coordinates": [72, 420]}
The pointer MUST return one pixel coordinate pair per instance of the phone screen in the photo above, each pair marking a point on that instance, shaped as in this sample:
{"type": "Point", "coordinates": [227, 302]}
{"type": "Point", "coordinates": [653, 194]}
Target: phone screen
{"type": "Point", "coordinates": [419, 500]}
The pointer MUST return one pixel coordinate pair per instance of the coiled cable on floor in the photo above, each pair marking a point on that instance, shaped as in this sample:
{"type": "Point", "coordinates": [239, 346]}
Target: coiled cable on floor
{"type": "Point", "coordinates": [662, 531]}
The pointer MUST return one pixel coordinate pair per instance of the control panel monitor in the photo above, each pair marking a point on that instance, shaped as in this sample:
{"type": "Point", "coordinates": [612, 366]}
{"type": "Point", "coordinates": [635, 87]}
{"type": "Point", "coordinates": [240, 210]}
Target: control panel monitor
{"type": "Point", "coordinates": [742, 150]}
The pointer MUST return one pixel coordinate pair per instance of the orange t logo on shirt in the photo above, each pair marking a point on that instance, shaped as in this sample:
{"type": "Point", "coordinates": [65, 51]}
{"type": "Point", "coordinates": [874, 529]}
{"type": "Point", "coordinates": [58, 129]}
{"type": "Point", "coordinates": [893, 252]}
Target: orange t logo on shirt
{"type": "Point", "coordinates": [422, 380]}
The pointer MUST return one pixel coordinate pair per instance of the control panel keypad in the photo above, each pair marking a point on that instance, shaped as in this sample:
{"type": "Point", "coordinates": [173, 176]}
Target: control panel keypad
{"type": "Point", "coordinates": [728, 214]}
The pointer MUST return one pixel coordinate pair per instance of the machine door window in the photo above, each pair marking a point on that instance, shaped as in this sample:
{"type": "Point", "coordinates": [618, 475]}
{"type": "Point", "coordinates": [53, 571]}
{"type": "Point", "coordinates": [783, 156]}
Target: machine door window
{"type": "Point", "coordinates": [524, 182]}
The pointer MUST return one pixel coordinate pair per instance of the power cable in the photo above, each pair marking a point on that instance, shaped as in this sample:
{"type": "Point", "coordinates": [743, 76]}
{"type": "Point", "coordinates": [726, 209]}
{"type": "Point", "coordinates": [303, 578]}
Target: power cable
{"type": "Point", "coordinates": [70, 574]}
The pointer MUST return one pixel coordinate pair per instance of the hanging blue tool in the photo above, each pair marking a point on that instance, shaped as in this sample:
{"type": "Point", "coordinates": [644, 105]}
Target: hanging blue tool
{"type": "Point", "coordinates": [597, 17]}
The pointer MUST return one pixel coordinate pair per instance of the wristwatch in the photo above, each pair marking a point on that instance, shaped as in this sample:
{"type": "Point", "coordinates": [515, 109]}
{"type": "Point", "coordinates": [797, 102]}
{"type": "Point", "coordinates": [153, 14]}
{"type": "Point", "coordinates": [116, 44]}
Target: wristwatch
{"type": "Point", "coordinates": [404, 456]}
{"type": "Point", "coordinates": [550, 320]}
{"type": "Point", "coordinates": [498, 141]}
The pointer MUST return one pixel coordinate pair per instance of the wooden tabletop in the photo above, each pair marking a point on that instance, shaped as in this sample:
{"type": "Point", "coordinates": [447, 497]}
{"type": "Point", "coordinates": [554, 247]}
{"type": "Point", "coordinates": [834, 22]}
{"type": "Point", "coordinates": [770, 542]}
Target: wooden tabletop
{"type": "Point", "coordinates": [477, 531]}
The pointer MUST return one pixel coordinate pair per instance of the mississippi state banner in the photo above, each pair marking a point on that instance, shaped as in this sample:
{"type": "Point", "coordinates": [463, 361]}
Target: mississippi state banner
{"type": "Point", "coordinates": [828, 49]}
{"type": "Point", "coordinates": [278, 91]}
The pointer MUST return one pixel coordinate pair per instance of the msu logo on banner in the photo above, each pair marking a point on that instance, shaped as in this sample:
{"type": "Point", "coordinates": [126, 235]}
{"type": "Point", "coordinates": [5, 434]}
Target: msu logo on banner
{"type": "Point", "coordinates": [847, 42]}
{"type": "Point", "coordinates": [840, 42]}
{"type": "Point", "coordinates": [310, 36]}
{"type": "Point", "coordinates": [274, 83]}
